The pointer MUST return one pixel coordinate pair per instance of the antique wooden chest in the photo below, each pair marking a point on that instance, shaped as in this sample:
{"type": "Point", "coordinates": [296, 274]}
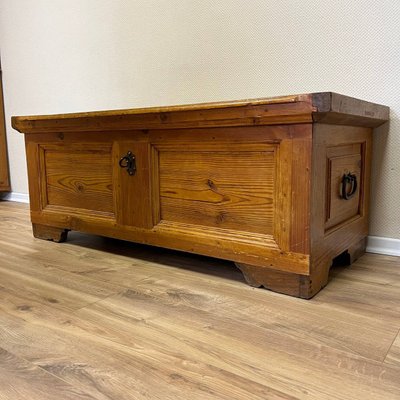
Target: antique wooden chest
{"type": "Point", "coordinates": [279, 186]}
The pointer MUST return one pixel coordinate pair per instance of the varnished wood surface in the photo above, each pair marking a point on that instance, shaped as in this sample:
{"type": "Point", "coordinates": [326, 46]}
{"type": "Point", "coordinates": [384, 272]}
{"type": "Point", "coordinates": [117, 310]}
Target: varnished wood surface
{"type": "Point", "coordinates": [80, 176]}
{"type": "Point", "coordinates": [326, 107]}
{"type": "Point", "coordinates": [133, 193]}
{"type": "Point", "coordinates": [97, 318]}
{"type": "Point", "coordinates": [224, 170]}
{"type": "Point", "coordinates": [226, 187]}
{"type": "Point", "coordinates": [335, 108]}
{"type": "Point", "coordinates": [221, 192]}
{"type": "Point", "coordinates": [331, 237]}
{"type": "Point", "coordinates": [340, 160]}
{"type": "Point", "coordinates": [182, 107]}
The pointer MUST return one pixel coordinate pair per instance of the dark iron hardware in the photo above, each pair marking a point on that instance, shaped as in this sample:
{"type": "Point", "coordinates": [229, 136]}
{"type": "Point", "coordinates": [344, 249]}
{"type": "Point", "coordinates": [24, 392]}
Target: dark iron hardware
{"type": "Point", "coordinates": [128, 162]}
{"type": "Point", "coordinates": [349, 186]}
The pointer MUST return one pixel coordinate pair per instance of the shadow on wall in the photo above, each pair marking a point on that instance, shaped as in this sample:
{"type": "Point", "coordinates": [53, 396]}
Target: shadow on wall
{"type": "Point", "coordinates": [380, 168]}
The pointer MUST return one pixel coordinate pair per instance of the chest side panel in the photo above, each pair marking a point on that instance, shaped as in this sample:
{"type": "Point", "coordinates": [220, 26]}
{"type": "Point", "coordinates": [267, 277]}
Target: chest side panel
{"type": "Point", "coordinates": [344, 180]}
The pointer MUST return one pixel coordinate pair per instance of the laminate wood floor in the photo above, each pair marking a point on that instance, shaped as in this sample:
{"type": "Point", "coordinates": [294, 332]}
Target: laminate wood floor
{"type": "Point", "coordinates": [97, 318]}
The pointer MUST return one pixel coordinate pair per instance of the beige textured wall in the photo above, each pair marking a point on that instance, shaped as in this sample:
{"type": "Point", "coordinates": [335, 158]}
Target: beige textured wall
{"type": "Point", "coordinates": [75, 55]}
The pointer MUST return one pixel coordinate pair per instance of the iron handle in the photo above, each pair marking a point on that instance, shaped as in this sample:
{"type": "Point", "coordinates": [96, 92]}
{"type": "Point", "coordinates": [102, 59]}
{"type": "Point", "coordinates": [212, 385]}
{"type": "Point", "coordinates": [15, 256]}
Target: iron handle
{"type": "Point", "coordinates": [349, 186]}
{"type": "Point", "coordinates": [128, 162]}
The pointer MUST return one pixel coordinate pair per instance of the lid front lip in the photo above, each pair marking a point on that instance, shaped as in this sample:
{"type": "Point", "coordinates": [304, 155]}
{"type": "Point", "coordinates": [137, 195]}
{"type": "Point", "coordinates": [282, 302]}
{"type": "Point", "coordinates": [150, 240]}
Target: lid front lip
{"type": "Point", "coordinates": [324, 107]}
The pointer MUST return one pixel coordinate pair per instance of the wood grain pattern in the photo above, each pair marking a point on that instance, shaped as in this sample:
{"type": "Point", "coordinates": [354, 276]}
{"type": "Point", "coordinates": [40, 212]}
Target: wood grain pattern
{"type": "Point", "coordinates": [334, 108]}
{"type": "Point", "coordinates": [4, 172]}
{"type": "Point", "coordinates": [292, 109]}
{"type": "Point", "coordinates": [300, 185]}
{"type": "Point", "coordinates": [255, 249]}
{"type": "Point", "coordinates": [48, 285]}
{"type": "Point", "coordinates": [247, 115]}
{"type": "Point", "coordinates": [20, 379]}
{"type": "Point", "coordinates": [326, 245]}
{"type": "Point", "coordinates": [225, 188]}
{"type": "Point", "coordinates": [137, 201]}
{"type": "Point", "coordinates": [278, 281]}
{"type": "Point", "coordinates": [343, 160]}
{"type": "Point", "coordinates": [393, 356]}
{"type": "Point", "coordinates": [181, 332]}
{"type": "Point", "coordinates": [133, 193]}
{"type": "Point", "coordinates": [252, 182]}
{"type": "Point", "coordinates": [46, 232]}
{"type": "Point", "coordinates": [325, 107]}
{"type": "Point", "coordinates": [78, 176]}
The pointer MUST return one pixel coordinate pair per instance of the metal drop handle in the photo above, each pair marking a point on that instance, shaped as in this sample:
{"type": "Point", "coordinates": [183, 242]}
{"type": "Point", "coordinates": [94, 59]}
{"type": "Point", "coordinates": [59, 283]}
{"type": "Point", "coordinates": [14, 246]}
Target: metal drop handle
{"type": "Point", "coordinates": [349, 186]}
{"type": "Point", "coordinates": [128, 162]}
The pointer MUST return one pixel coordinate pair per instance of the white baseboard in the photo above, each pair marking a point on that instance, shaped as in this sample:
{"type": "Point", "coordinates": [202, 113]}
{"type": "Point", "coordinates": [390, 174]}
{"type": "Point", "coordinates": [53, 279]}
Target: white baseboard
{"type": "Point", "coordinates": [383, 245]}
{"type": "Point", "coordinates": [13, 196]}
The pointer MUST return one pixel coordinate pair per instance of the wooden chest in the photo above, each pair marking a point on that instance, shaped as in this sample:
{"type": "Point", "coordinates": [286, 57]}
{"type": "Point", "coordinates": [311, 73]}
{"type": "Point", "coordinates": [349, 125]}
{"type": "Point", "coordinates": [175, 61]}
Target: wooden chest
{"type": "Point", "coordinates": [279, 186]}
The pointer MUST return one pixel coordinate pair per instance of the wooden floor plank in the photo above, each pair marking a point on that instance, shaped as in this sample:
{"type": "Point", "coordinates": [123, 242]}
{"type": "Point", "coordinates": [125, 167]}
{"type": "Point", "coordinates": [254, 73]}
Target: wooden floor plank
{"type": "Point", "coordinates": [342, 329]}
{"type": "Point", "coordinates": [48, 284]}
{"type": "Point", "coordinates": [374, 269]}
{"type": "Point", "coordinates": [365, 333]}
{"type": "Point", "coordinates": [22, 380]}
{"type": "Point", "coordinates": [393, 356]}
{"type": "Point", "coordinates": [352, 292]}
{"type": "Point", "coordinates": [139, 337]}
{"type": "Point", "coordinates": [78, 352]}
{"type": "Point", "coordinates": [260, 354]}
{"type": "Point", "coordinates": [113, 320]}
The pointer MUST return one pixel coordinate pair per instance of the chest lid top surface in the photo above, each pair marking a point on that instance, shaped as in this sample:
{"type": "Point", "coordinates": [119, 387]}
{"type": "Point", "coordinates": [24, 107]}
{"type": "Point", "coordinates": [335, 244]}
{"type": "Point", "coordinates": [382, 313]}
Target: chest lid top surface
{"type": "Point", "coordinates": [324, 107]}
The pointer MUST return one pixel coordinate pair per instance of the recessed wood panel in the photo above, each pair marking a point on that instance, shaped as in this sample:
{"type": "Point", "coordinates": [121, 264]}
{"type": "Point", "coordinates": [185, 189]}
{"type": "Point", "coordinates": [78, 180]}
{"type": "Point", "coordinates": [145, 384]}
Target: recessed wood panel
{"type": "Point", "coordinates": [78, 177]}
{"type": "Point", "coordinates": [219, 188]}
{"type": "Point", "coordinates": [342, 160]}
